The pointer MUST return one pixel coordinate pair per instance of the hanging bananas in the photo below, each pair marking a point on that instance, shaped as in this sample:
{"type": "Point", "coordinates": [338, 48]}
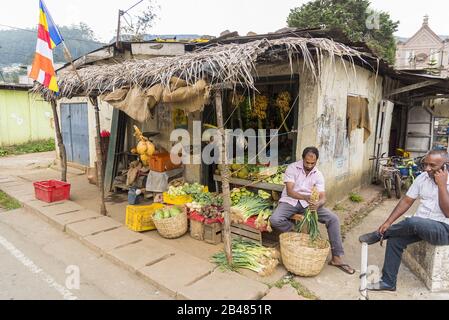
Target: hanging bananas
{"type": "Point", "coordinates": [283, 102]}
{"type": "Point", "coordinates": [260, 106]}
{"type": "Point", "coordinates": [237, 99]}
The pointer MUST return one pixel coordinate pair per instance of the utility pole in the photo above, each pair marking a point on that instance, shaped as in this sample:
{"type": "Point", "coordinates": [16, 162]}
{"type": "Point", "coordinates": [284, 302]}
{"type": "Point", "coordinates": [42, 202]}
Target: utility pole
{"type": "Point", "coordinates": [120, 14]}
{"type": "Point", "coordinates": [117, 41]}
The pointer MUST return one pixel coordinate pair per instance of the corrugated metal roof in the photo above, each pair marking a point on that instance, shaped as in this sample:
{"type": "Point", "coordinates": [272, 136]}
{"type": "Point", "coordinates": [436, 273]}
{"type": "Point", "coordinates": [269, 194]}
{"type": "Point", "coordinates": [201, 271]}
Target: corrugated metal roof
{"type": "Point", "coordinates": [15, 86]}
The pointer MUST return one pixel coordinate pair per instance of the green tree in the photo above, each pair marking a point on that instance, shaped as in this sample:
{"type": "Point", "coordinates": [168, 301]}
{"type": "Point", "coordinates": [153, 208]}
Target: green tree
{"type": "Point", "coordinates": [355, 18]}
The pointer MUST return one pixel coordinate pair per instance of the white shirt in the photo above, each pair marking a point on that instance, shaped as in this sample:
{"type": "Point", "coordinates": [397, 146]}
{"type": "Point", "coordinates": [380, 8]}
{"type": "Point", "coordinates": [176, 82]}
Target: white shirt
{"type": "Point", "coordinates": [426, 189]}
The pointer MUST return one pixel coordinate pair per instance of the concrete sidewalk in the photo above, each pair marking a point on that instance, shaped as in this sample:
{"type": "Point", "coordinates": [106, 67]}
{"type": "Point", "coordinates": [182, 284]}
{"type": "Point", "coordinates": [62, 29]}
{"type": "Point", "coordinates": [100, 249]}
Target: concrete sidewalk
{"type": "Point", "coordinates": [181, 275]}
{"type": "Point", "coordinates": [181, 266]}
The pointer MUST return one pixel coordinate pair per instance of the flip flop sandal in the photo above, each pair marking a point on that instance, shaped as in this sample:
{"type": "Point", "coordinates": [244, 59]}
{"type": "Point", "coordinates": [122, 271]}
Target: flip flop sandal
{"type": "Point", "coordinates": [342, 267]}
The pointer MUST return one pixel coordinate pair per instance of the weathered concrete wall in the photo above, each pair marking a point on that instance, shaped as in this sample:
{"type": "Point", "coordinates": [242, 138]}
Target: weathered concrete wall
{"type": "Point", "coordinates": [344, 162]}
{"type": "Point", "coordinates": [23, 117]}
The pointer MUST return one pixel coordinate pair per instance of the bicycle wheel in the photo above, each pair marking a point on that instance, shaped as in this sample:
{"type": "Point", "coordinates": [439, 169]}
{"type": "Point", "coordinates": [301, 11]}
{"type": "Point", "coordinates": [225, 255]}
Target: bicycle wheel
{"type": "Point", "coordinates": [408, 183]}
{"type": "Point", "coordinates": [397, 186]}
{"type": "Point", "coordinates": [387, 184]}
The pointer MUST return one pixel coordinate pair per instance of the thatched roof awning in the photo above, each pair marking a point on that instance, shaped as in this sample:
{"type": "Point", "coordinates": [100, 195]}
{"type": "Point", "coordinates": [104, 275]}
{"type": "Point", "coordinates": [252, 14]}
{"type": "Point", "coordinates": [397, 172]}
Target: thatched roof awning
{"type": "Point", "coordinates": [229, 63]}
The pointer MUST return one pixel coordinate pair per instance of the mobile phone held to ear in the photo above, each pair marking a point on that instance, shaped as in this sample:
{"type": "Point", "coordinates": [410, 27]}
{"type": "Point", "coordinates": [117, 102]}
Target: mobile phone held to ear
{"type": "Point", "coordinates": [445, 167]}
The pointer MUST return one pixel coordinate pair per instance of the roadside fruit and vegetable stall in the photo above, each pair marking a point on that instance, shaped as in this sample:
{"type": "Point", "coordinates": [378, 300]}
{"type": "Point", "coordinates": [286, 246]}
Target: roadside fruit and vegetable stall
{"type": "Point", "coordinates": [212, 75]}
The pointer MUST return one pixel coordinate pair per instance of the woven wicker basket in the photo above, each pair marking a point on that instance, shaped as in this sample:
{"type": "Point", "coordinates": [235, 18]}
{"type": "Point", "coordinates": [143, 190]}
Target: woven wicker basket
{"type": "Point", "coordinates": [302, 258]}
{"type": "Point", "coordinates": [197, 230]}
{"type": "Point", "coordinates": [172, 228]}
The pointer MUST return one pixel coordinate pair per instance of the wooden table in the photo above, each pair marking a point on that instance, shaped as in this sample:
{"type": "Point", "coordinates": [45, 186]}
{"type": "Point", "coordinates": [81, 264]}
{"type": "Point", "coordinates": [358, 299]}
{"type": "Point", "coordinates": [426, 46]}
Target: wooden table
{"type": "Point", "coordinates": [251, 184]}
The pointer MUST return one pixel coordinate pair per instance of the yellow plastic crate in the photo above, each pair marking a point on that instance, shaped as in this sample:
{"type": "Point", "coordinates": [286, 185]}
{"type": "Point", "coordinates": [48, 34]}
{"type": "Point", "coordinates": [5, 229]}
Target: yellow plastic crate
{"type": "Point", "coordinates": [140, 218]}
{"type": "Point", "coordinates": [179, 200]}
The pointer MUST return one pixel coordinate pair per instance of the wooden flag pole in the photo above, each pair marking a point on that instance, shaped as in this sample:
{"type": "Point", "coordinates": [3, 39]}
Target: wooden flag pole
{"type": "Point", "coordinates": [69, 58]}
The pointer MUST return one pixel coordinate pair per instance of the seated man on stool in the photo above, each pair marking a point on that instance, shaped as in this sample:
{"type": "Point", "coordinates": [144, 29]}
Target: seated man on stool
{"type": "Point", "coordinates": [430, 223]}
{"type": "Point", "coordinates": [300, 178]}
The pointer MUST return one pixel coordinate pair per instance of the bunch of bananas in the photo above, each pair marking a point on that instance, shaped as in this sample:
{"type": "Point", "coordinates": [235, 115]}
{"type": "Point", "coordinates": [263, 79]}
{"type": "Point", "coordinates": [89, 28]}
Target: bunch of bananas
{"type": "Point", "coordinates": [237, 99]}
{"type": "Point", "coordinates": [283, 101]}
{"type": "Point", "coordinates": [260, 105]}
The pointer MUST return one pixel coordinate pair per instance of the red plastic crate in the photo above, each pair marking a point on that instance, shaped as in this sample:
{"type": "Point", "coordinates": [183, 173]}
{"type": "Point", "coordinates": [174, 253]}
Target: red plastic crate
{"type": "Point", "coordinates": [52, 190]}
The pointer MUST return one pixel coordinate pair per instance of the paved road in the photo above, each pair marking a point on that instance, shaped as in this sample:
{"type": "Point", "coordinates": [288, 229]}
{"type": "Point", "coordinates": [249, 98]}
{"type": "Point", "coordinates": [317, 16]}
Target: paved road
{"type": "Point", "coordinates": [26, 163]}
{"type": "Point", "coordinates": [35, 257]}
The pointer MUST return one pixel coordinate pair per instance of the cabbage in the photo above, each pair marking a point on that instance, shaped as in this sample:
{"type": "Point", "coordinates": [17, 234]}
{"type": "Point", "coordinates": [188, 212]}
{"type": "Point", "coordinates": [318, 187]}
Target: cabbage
{"type": "Point", "coordinates": [158, 215]}
{"type": "Point", "coordinates": [174, 211]}
{"type": "Point", "coordinates": [166, 214]}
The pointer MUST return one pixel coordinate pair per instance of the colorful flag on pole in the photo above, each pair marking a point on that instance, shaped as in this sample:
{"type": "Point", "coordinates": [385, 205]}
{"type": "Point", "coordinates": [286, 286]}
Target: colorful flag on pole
{"type": "Point", "coordinates": [48, 37]}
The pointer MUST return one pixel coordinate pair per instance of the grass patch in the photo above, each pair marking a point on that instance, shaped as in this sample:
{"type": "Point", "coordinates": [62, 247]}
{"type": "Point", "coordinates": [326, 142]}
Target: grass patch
{"type": "Point", "coordinates": [339, 207]}
{"type": "Point", "coordinates": [355, 197]}
{"type": "Point", "coordinates": [300, 289]}
{"type": "Point", "coordinates": [8, 203]}
{"type": "Point", "coordinates": [29, 147]}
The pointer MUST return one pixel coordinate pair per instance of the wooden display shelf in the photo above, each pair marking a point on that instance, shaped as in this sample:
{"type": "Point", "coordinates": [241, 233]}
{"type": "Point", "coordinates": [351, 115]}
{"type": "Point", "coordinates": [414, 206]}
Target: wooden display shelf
{"type": "Point", "coordinates": [251, 184]}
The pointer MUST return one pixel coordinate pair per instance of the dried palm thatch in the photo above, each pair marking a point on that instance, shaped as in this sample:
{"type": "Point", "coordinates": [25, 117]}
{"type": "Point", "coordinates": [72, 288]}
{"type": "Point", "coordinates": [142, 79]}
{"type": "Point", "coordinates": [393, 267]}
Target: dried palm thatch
{"type": "Point", "coordinates": [230, 63]}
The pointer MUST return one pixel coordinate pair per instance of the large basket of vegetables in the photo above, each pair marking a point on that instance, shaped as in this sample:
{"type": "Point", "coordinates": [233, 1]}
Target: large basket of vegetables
{"type": "Point", "coordinates": [171, 222]}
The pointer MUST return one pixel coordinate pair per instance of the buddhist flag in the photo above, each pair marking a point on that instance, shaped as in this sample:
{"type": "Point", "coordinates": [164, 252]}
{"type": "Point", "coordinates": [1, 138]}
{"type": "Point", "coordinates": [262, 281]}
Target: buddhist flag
{"type": "Point", "coordinates": [48, 37]}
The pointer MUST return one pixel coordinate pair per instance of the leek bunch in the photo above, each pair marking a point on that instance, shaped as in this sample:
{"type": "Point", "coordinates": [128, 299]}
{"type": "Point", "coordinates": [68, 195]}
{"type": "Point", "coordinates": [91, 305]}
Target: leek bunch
{"type": "Point", "coordinates": [310, 221]}
{"type": "Point", "coordinates": [250, 206]}
{"type": "Point", "coordinates": [249, 255]}
{"type": "Point", "coordinates": [310, 218]}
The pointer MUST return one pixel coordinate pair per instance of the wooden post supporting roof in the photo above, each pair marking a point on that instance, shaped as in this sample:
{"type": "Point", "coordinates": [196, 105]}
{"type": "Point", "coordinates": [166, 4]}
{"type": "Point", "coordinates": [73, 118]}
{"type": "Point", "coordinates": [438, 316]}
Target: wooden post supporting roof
{"type": "Point", "coordinates": [94, 101]}
{"type": "Point", "coordinates": [225, 180]}
{"type": "Point", "coordinates": [412, 87]}
{"type": "Point", "coordinates": [61, 147]}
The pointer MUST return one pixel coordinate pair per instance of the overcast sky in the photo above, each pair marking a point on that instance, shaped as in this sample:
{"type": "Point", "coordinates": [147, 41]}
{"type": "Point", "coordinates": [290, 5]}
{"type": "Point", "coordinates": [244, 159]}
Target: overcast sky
{"type": "Point", "coordinates": [208, 16]}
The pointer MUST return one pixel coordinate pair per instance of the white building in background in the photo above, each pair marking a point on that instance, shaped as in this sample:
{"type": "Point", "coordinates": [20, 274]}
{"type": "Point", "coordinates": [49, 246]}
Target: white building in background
{"type": "Point", "coordinates": [423, 49]}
